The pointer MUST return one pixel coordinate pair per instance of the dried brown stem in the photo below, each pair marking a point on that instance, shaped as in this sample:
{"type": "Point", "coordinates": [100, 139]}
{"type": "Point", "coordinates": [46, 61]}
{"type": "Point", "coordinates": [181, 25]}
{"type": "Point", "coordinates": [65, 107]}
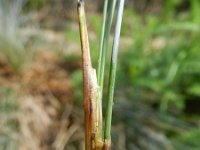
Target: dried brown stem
{"type": "Point", "coordinates": [90, 85]}
{"type": "Point", "coordinates": [107, 145]}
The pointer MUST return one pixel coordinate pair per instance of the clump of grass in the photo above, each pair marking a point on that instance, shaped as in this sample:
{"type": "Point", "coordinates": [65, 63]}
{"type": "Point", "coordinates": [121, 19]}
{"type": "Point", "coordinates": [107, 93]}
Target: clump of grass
{"type": "Point", "coordinates": [16, 56]}
{"type": "Point", "coordinates": [94, 84]}
{"type": "Point", "coordinates": [10, 45]}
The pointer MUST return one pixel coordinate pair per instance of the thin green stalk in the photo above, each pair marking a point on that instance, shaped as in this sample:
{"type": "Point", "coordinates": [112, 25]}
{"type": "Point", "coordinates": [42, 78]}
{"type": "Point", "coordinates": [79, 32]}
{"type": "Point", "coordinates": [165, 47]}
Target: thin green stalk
{"type": "Point", "coordinates": [112, 75]}
{"type": "Point", "coordinates": [102, 55]}
{"type": "Point", "coordinates": [105, 8]}
{"type": "Point", "coordinates": [108, 12]}
{"type": "Point", "coordinates": [99, 100]}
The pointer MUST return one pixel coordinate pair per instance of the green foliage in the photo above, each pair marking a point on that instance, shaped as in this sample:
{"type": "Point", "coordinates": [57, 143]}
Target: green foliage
{"type": "Point", "coordinates": [77, 84]}
{"type": "Point", "coordinates": [169, 9]}
{"type": "Point", "coordinates": [130, 23]}
{"type": "Point", "coordinates": [194, 89]}
{"type": "Point", "coordinates": [72, 35]}
{"type": "Point", "coordinates": [15, 54]}
{"type": "Point", "coordinates": [195, 10]}
{"type": "Point", "coordinates": [8, 119]}
{"type": "Point", "coordinates": [163, 61]}
{"type": "Point", "coordinates": [188, 140]}
{"type": "Point", "coordinates": [95, 22]}
{"type": "Point", "coordinates": [35, 4]}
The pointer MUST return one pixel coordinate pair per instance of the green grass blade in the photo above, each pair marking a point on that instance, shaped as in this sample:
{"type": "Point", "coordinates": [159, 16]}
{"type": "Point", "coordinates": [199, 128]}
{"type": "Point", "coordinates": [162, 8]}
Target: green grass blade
{"type": "Point", "coordinates": [102, 55]}
{"type": "Point", "coordinates": [105, 8]}
{"type": "Point", "coordinates": [113, 68]}
{"type": "Point", "coordinates": [99, 101]}
{"type": "Point", "coordinates": [108, 12]}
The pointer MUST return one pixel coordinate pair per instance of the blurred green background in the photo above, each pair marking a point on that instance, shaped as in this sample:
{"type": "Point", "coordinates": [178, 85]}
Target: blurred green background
{"type": "Point", "coordinates": [157, 96]}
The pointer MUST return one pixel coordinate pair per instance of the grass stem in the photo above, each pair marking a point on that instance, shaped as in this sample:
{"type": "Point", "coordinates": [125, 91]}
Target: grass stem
{"type": "Point", "coordinates": [89, 106]}
{"type": "Point", "coordinates": [99, 100]}
{"type": "Point", "coordinates": [102, 55]}
{"type": "Point", "coordinates": [108, 12]}
{"type": "Point", "coordinates": [105, 8]}
{"type": "Point", "coordinates": [112, 75]}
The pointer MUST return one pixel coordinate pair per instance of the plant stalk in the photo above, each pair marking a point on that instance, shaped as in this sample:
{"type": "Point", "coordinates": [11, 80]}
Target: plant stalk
{"type": "Point", "coordinates": [99, 136]}
{"type": "Point", "coordinates": [105, 8]}
{"type": "Point", "coordinates": [108, 12]}
{"type": "Point", "coordinates": [102, 55]}
{"type": "Point", "coordinates": [112, 76]}
{"type": "Point", "coordinates": [90, 83]}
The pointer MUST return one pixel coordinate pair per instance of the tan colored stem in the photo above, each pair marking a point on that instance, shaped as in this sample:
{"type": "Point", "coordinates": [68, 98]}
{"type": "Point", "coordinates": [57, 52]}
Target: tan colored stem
{"type": "Point", "coordinates": [90, 86]}
{"type": "Point", "coordinates": [86, 65]}
{"type": "Point", "coordinates": [107, 145]}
